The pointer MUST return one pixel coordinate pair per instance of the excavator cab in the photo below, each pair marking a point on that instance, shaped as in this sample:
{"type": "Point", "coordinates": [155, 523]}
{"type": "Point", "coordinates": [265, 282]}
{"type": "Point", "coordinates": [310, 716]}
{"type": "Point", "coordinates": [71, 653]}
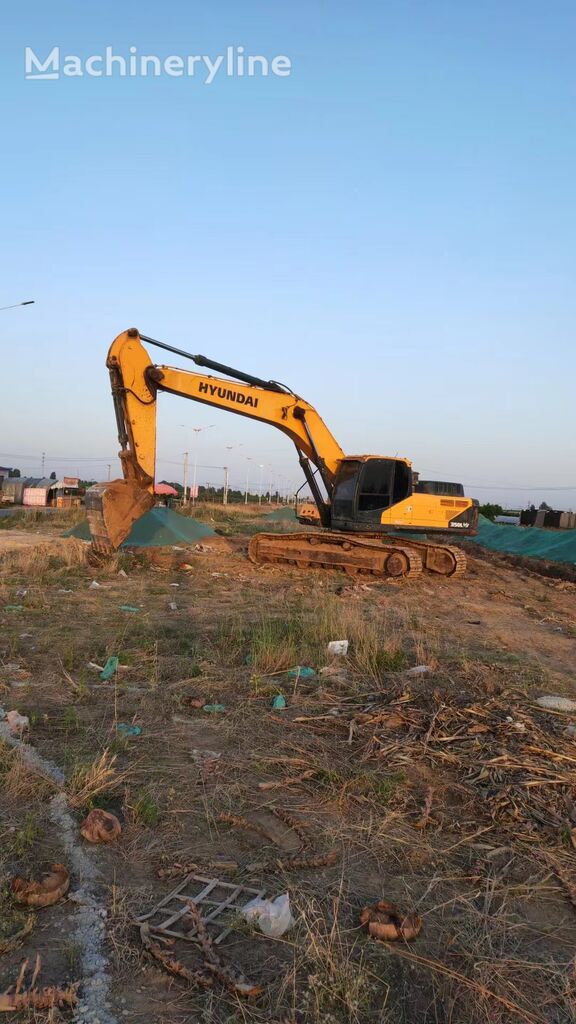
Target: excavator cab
{"type": "Point", "coordinates": [365, 487]}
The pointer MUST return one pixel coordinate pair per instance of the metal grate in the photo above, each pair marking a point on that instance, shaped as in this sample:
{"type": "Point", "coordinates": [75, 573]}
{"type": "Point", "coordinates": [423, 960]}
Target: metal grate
{"type": "Point", "coordinates": [218, 902]}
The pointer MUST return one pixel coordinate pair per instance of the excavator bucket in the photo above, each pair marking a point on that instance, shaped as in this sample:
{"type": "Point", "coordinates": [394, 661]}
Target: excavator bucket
{"type": "Point", "coordinates": [112, 508]}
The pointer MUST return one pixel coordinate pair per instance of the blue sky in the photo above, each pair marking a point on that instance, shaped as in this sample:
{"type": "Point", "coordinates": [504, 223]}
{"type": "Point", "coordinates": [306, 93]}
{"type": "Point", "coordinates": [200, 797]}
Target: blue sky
{"type": "Point", "coordinates": [390, 230]}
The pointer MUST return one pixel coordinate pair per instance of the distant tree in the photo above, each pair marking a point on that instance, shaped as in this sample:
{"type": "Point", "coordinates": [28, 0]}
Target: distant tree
{"type": "Point", "coordinates": [544, 507]}
{"type": "Point", "coordinates": [490, 511]}
{"type": "Point", "coordinates": [14, 472]}
{"type": "Point", "coordinates": [52, 475]}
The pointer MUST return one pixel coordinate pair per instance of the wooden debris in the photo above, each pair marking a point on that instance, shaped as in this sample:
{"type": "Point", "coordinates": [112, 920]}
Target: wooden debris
{"type": "Point", "coordinates": [237, 821]}
{"type": "Point", "coordinates": [425, 816]}
{"type": "Point", "coordinates": [177, 870]}
{"type": "Point", "coordinates": [169, 963]}
{"type": "Point", "coordinates": [8, 944]}
{"type": "Point", "coordinates": [17, 998]}
{"type": "Point", "coordinates": [319, 860]}
{"type": "Point", "coordinates": [267, 786]}
{"type": "Point", "coordinates": [387, 923]}
{"type": "Point", "coordinates": [297, 826]}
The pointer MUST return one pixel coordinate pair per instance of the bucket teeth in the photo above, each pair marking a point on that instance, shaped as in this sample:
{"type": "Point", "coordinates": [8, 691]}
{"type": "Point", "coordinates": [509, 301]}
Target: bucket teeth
{"type": "Point", "coordinates": [112, 508]}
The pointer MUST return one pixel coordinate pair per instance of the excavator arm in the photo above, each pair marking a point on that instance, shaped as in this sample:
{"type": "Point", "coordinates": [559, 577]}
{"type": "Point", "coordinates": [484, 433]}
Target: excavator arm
{"type": "Point", "coordinates": [114, 506]}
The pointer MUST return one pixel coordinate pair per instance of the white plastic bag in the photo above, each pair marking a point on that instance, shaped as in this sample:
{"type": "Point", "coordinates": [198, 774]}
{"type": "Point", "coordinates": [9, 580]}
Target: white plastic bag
{"type": "Point", "coordinates": [272, 916]}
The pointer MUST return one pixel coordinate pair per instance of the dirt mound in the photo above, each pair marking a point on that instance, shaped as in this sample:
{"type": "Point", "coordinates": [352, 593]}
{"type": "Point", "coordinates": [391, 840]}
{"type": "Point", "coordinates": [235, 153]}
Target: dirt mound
{"type": "Point", "coordinates": [160, 527]}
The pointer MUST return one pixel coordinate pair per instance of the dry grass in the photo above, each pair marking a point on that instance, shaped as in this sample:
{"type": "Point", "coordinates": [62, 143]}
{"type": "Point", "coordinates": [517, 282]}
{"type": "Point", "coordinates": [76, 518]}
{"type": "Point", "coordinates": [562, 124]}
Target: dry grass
{"type": "Point", "coordinates": [89, 781]}
{"type": "Point", "coordinates": [19, 780]}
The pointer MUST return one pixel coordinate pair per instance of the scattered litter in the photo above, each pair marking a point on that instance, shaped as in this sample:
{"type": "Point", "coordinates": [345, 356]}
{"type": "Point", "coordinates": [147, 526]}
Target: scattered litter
{"type": "Point", "coordinates": [557, 703]}
{"type": "Point", "coordinates": [192, 702]}
{"type": "Point", "coordinates": [100, 827]}
{"type": "Point", "coordinates": [17, 722]}
{"type": "Point", "coordinates": [123, 573]}
{"type": "Point", "coordinates": [518, 726]}
{"type": "Point", "coordinates": [110, 668]}
{"type": "Point", "coordinates": [570, 731]}
{"type": "Point", "coordinates": [204, 756]}
{"type": "Point", "coordinates": [172, 606]}
{"type": "Point", "coordinates": [94, 665]}
{"type": "Point", "coordinates": [65, 590]}
{"type": "Point", "coordinates": [279, 702]}
{"type": "Point", "coordinates": [213, 707]}
{"type": "Point", "coordinates": [419, 670]}
{"type": "Point", "coordinates": [21, 592]}
{"type": "Point", "coordinates": [223, 902]}
{"type": "Point", "coordinates": [13, 607]}
{"type": "Point", "coordinates": [387, 923]}
{"type": "Point", "coordinates": [129, 608]}
{"type": "Point", "coordinates": [42, 894]}
{"type": "Point", "coordinates": [301, 672]}
{"type": "Point", "coordinates": [273, 917]}
{"type": "Point", "coordinates": [34, 998]}
{"type": "Point", "coordinates": [338, 647]}
{"type": "Point", "coordinates": [128, 730]}
{"type": "Point", "coordinates": [94, 585]}
{"type": "Point", "coordinates": [174, 584]}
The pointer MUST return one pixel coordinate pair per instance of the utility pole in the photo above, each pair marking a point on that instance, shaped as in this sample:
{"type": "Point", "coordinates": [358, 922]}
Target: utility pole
{"type": "Point", "coordinates": [43, 462]}
{"type": "Point", "coordinates": [185, 471]}
{"type": "Point", "coordinates": [109, 468]}
{"type": "Point", "coordinates": [260, 486]}
{"type": "Point", "coordinates": [248, 460]}
{"type": "Point", "coordinates": [225, 495]}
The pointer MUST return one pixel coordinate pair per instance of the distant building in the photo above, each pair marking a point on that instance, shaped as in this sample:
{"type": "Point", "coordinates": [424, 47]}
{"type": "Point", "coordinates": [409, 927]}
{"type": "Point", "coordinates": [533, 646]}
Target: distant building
{"type": "Point", "coordinates": [13, 488]}
{"type": "Point", "coordinates": [5, 471]}
{"type": "Point", "coordinates": [37, 492]}
{"type": "Point", "coordinates": [66, 493]}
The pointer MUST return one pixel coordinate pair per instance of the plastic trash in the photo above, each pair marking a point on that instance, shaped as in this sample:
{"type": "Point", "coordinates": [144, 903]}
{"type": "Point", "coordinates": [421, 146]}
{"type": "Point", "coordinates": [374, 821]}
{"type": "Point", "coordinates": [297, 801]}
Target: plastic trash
{"type": "Point", "coordinates": [213, 707]}
{"type": "Point", "coordinates": [109, 668]}
{"type": "Point", "coordinates": [123, 574]}
{"type": "Point", "coordinates": [273, 917]}
{"type": "Point", "coordinates": [301, 672]}
{"type": "Point", "coordinates": [279, 702]}
{"type": "Point", "coordinates": [17, 722]}
{"type": "Point", "coordinates": [418, 670]}
{"type": "Point", "coordinates": [13, 607]}
{"type": "Point", "coordinates": [128, 730]}
{"type": "Point", "coordinates": [172, 606]}
{"type": "Point", "coordinates": [557, 703]}
{"type": "Point", "coordinates": [21, 592]}
{"type": "Point", "coordinates": [129, 608]}
{"type": "Point", "coordinates": [94, 585]}
{"type": "Point", "coordinates": [338, 647]}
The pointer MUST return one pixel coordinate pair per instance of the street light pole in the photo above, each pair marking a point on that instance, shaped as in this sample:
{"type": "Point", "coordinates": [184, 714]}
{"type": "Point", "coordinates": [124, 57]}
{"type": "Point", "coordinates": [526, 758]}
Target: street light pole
{"type": "Point", "coordinates": [225, 495]}
{"type": "Point", "coordinates": [248, 460]}
{"type": "Point", "coordinates": [260, 486]}
{"type": "Point", "coordinates": [29, 302]}
{"type": "Point", "coordinates": [185, 474]}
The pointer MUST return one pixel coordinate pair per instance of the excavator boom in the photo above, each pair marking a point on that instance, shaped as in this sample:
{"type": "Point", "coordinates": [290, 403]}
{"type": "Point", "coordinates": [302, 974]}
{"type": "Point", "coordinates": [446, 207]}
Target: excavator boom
{"type": "Point", "coordinates": [361, 500]}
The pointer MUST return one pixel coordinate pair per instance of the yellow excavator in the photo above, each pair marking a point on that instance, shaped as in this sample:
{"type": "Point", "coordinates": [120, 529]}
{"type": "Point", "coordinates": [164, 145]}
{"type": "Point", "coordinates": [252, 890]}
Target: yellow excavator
{"type": "Point", "coordinates": [362, 502]}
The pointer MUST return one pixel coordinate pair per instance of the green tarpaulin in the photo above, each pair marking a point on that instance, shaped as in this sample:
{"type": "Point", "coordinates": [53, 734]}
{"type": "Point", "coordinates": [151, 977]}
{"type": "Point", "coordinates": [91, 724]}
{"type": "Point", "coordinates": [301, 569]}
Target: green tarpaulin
{"type": "Point", "coordinates": [160, 527]}
{"type": "Point", "coordinates": [527, 541]}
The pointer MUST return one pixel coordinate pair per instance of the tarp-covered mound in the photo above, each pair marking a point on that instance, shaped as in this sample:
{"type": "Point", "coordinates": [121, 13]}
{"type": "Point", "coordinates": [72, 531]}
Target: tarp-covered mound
{"type": "Point", "coordinates": [527, 541]}
{"type": "Point", "coordinates": [160, 527]}
{"type": "Point", "coordinates": [281, 514]}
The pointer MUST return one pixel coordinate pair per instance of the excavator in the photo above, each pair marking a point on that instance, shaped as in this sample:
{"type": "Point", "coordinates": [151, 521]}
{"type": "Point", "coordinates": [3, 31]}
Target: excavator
{"type": "Point", "coordinates": [363, 503]}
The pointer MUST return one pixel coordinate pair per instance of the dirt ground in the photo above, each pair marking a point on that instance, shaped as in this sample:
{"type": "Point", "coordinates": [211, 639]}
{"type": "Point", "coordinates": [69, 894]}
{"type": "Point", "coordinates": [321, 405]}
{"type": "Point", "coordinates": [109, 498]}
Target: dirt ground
{"type": "Point", "coordinates": [448, 792]}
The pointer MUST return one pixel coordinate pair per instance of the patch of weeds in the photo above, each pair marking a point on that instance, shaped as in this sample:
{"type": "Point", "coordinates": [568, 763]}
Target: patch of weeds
{"type": "Point", "coordinates": [145, 810]}
{"type": "Point", "coordinates": [70, 719]}
{"type": "Point", "coordinates": [86, 781]}
{"type": "Point", "coordinates": [72, 952]}
{"type": "Point", "coordinates": [24, 837]}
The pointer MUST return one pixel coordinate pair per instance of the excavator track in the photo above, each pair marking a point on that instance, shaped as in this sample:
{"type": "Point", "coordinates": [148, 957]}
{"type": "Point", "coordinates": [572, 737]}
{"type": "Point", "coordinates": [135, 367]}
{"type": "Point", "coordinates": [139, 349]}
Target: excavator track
{"type": "Point", "coordinates": [328, 550]}
{"type": "Point", "coordinates": [442, 559]}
